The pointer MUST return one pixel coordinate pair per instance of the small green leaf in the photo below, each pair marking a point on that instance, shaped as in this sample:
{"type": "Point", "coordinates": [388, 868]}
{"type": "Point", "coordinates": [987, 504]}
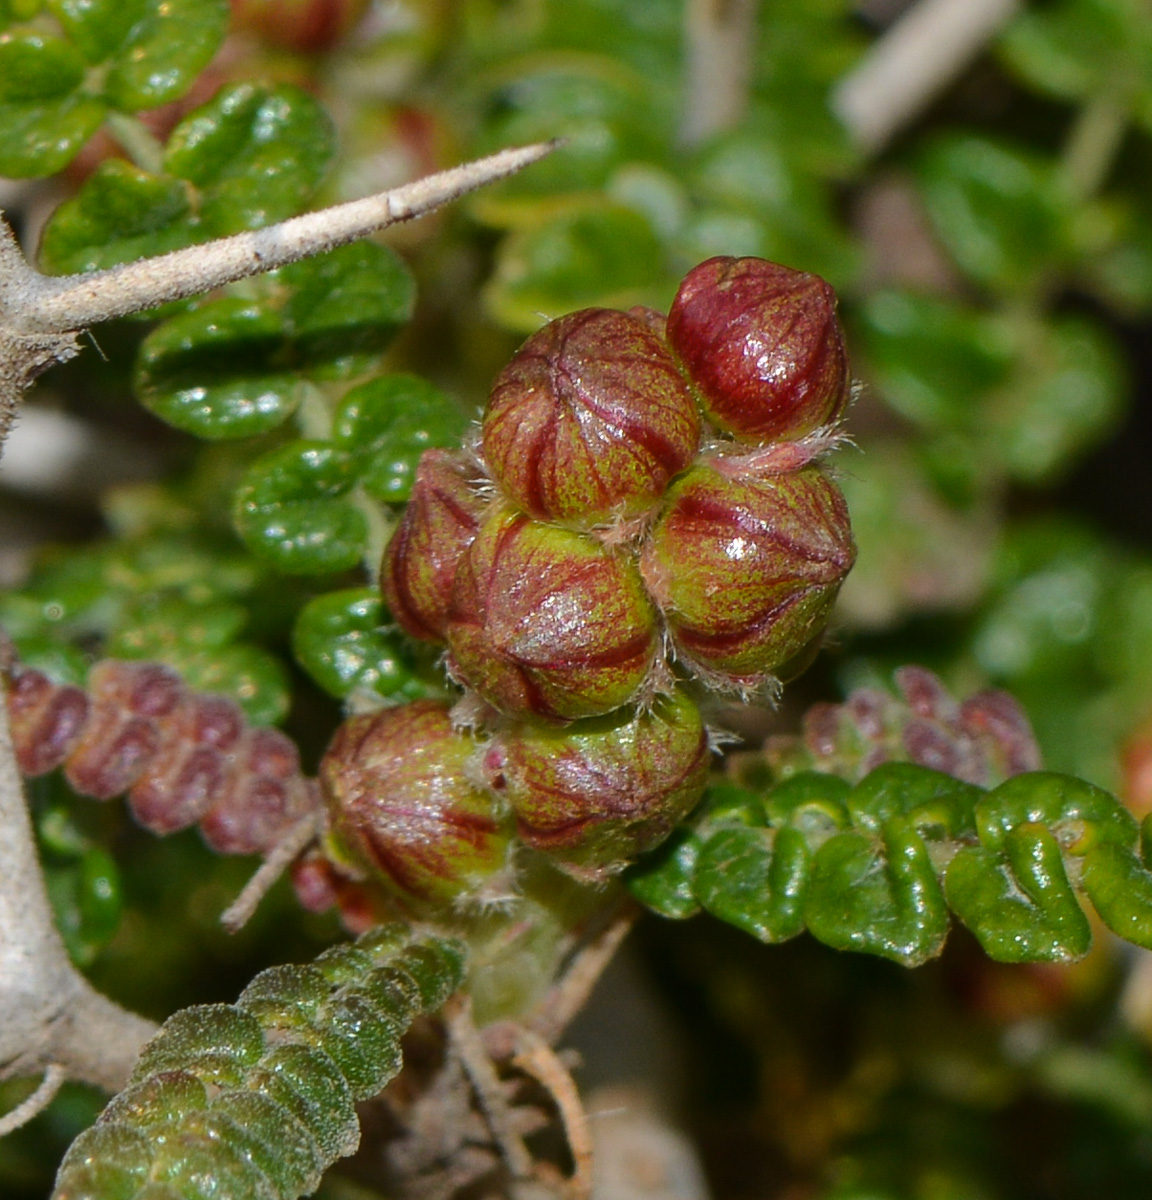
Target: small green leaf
{"type": "Point", "coordinates": [339, 642]}
{"type": "Point", "coordinates": [1120, 888]}
{"type": "Point", "coordinates": [388, 423]}
{"type": "Point", "coordinates": [34, 68]}
{"type": "Point", "coordinates": [219, 372]}
{"type": "Point", "coordinates": [1000, 212]}
{"type": "Point", "coordinates": [1019, 904]}
{"type": "Point", "coordinates": [42, 138]}
{"type": "Point", "coordinates": [98, 896]}
{"type": "Point", "coordinates": [169, 44]}
{"type": "Point", "coordinates": [664, 880]}
{"type": "Point", "coordinates": [121, 214]}
{"type": "Point", "coordinates": [344, 308]}
{"type": "Point", "coordinates": [1076, 49]}
{"type": "Point", "coordinates": [290, 510]}
{"type": "Point", "coordinates": [1069, 395]}
{"type": "Point", "coordinates": [933, 360]}
{"type": "Point", "coordinates": [256, 153]}
{"type": "Point", "coordinates": [878, 894]}
{"type": "Point", "coordinates": [603, 254]}
{"type": "Point", "coordinates": [755, 880]}
{"type": "Point", "coordinates": [157, 47]}
{"type": "Point", "coordinates": [252, 677]}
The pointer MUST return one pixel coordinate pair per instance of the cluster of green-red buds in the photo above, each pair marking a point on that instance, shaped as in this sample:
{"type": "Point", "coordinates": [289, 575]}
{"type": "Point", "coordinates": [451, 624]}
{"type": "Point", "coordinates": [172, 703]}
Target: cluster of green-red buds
{"type": "Point", "coordinates": [643, 517]}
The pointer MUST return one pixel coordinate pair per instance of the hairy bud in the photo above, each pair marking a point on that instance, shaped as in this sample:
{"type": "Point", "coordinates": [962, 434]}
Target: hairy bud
{"type": "Point", "coordinates": [746, 571]}
{"type": "Point", "coordinates": [597, 793]}
{"type": "Point", "coordinates": [420, 561]}
{"type": "Point", "coordinates": [401, 804]}
{"type": "Point", "coordinates": [548, 623]}
{"type": "Point", "coordinates": [763, 346]}
{"type": "Point", "coordinates": [590, 420]}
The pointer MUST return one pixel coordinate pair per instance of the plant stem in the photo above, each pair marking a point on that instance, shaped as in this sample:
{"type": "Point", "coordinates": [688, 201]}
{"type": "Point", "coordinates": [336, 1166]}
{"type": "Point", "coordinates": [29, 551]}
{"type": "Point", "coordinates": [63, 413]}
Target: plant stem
{"type": "Point", "coordinates": [72, 302]}
{"type": "Point", "coordinates": [1093, 143]}
{"type": "Point", "coordinates": [720, 42]}
{"type": "Point", "coordinates": [912, 63]}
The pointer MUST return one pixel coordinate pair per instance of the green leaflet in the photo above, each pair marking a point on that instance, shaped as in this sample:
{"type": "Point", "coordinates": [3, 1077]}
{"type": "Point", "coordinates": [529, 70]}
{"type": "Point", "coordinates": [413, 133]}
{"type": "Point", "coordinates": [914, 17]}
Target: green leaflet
{"type": "Point", "coordinates": [235, 367]}
{"type": "Point", "coordinates": [252, 155]}
{"type": "Point", "coordinates": [256, 1099]}
{"type": "Point", "coordinates": [291, 510]}
{"type": "Point", "coordinates": [879, 866]}
{"type": "Point", "coordinates": [116, 54]}
{"type": "Point", "coordinates": [341, 641]}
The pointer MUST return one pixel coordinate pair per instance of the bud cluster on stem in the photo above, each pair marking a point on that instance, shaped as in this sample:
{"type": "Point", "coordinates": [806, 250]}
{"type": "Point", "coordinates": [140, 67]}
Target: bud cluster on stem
{"type": "Point", "coordinates": [642, 519]}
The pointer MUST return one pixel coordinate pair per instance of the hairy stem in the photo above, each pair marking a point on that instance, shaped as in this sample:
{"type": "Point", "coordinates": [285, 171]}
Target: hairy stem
{"type": "Point", "coordinates": [71, 302]}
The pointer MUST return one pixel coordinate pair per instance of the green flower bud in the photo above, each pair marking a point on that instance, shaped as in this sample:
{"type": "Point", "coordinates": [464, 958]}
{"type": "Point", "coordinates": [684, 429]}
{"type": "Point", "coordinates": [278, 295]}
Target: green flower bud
{"type": "Point", "coordinates": [763, 346]}
{"type": "Point", "coordinates": [548, 623]}
{"type": "Point", "coordinates": [590, 420]}
{"type": "Point", "coordinates": [401, 805]}
{"type": "Point", "coordinates": [746, 571]}
{"type": "Point", "coordinates": [420, 561]}
{"type": "Point", "coordinates": [597, 793]}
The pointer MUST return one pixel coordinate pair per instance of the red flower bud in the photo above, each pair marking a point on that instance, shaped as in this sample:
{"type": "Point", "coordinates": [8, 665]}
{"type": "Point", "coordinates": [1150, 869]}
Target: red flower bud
{"type": "Point", "coordinates": [590, 419]}
{"type": "Point", "coordinates": [746, 571]}
{"type": "Point", "coordinates": [438, 525]}
{"type": "Point", "coordinates": [763, 346]}
{"type": "Point", "coordinates": [597, 793]}
{"type": "Point", "coordinates": [548, 623]}
{"type": "Point", "coordinates": [401, 804]}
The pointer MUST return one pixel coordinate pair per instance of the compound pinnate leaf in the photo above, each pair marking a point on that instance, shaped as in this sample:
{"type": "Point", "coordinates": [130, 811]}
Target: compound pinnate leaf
{"type": "Point", "coordinates": [291, 510]}
{"type": "Point", "coordinates": [256, 154]}
{"type": "Point", "coordinates": [878, 866]}
{"type": "Point", "coordinates": [155, 48]}
{"type": "Point", "coordinates": [388, 423]}
{"type": "Point", "coordinates": [340, 642]}
{"type": "Point", "coordinates": [250, 156]}
{"type": "Point", "coordinates": [279, 1105]}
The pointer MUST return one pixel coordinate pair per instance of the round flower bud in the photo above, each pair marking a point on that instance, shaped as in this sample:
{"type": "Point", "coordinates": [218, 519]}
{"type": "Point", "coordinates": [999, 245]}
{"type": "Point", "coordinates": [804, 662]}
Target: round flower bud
{"type": "Point", "coordinates": [420, 560]}
{"type": "Point", "coordinates": [401, 805]}
{"type": "Point", "coordinates": [547, 622]}
{"type": "Point", "coordinates": [597, 793]}
{"type": "Point", "coordinates": [746, 571]}
{"type": "Point", "coordinates": [590, 419]}
{"type": "Point", "coordinates": [763, 346]}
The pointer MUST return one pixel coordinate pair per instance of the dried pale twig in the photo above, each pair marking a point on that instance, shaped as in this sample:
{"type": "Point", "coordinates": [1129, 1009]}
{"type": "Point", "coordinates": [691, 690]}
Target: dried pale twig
{"type": "Point", "coordinates": [473, 1056]}
{"type": "Point", "coordinates": [536, 1058]}
{"type": "Point", "coordinates": [912, 63]}
{"type": "Point", "coordinates": [285, 852]}
{"type": "Point", "coordinates": [720, 37]}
